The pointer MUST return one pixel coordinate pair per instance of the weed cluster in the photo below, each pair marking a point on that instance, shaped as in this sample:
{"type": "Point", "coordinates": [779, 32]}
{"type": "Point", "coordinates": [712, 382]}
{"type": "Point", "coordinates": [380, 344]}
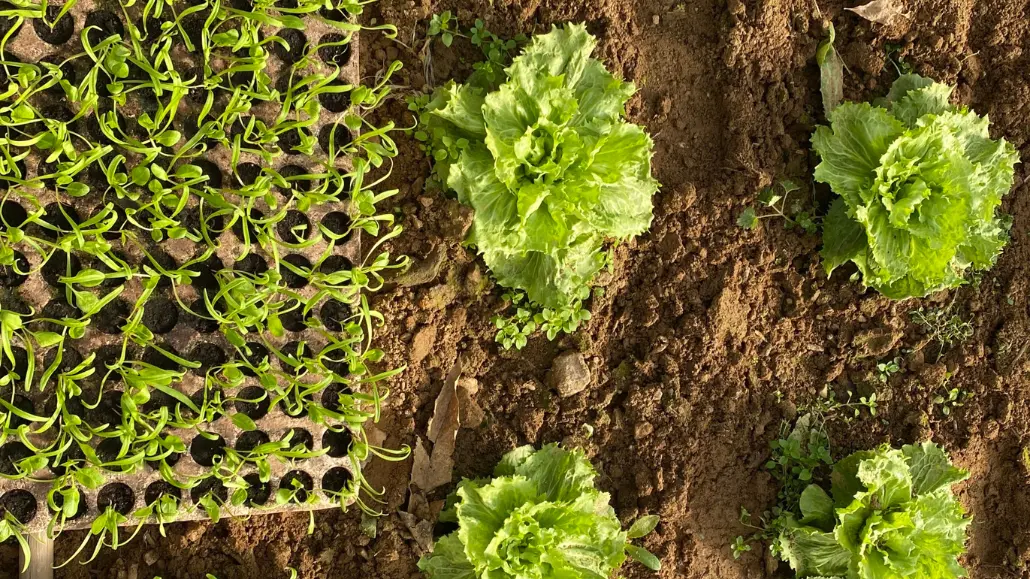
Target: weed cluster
{"type": "Point", "coordinates": [943, 326]}
{"type": "Point", "coordinates": [162, 176]}
{"type": "Point", "coordinates": [800, 457]}
{"type": "Point", "coordinates": [793, 215]}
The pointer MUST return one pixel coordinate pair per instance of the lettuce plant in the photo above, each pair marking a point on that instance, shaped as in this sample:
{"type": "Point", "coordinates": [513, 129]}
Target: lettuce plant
{"type": "Point", "coordinates": [542, 152]}
{"type": "Point", "coordinates": [920, 182]}
{"type": "Point", "coordinates": [890, 514]}
{"type": "Point", "coordinates": [540, 516]}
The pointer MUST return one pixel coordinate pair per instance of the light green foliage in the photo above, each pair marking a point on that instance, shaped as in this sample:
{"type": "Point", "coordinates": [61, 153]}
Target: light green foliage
{"type": "Point", "coordinates": [155, 115]}
{"type": "Point", "coordinates": [884, 370]}
{"type": "Point", "coordinates": [445, 26]}
{"type": "Point", "coordinates": [798, 455]}
{"type": "Point", "coordinates": [542, 152]}
{"type": "Point", "coordinates": [889, 514]}
{"type": "Point", "coordinates": [514, 330]}
{"type": "Point", "coordinates": [951, 398]}
{"type": "Point", "coordinates": [919, 183]}
{"type": "Point", "coordinates": [539, 517]}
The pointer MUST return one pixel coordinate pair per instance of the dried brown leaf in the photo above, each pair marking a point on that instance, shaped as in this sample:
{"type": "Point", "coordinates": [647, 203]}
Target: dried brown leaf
{"type": "Point", "coordinates": [445, 417]}
{"type": "Point", "coordinates": [421, 530]}
{"type": "Point", "coordinates": [879, 11]}
{"type": "Point", "coordinates": [431, 470]}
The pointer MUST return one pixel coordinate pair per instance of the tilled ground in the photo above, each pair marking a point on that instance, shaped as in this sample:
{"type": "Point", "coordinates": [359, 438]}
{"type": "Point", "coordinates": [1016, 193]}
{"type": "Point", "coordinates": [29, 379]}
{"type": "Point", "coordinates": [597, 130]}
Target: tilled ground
{"type": "Point", "coordinates": [708, 336]}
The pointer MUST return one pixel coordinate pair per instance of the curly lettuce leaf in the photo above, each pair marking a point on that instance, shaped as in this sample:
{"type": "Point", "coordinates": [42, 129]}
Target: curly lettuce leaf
{"type": "Point", "coordinates": [919, 183]}
{"type": "Point", "coordinates": [548, 163]}
{"type": "Point", "coordinates": [892, 516]}
{"type": "Point", "coordinates": [540, 517]}
{"type": "Point", "coordinates": [448, 560]}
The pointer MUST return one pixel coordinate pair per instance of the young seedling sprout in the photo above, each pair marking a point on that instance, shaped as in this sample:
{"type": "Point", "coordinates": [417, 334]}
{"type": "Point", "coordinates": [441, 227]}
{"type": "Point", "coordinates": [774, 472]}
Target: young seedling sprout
{"type": "Point", "coordinates": [148, 173]}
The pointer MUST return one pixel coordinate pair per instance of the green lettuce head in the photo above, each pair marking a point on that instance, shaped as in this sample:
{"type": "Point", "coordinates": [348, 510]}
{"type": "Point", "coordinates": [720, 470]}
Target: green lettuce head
{"type": "Point", "coordinates": [543, 154]}
{"type": "Point", "coordinates": [920, 182]}
{"type": "Point", "coordinates": [890, 515]}
{"type": "Point", "coordinates": [539, 518]}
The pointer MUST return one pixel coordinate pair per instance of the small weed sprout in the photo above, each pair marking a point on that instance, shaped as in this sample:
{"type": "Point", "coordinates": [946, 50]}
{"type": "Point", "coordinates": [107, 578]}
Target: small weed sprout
{"type": "Point", "coordinates": [884, 370]}
{"type": "Point", "coordinates": [829, 407]}
{"type": "Point", "coordinates": [444, 25]}
{"type": "Point", "coordinates": [740, 544]}
{"type": "Point", "coordinates": [775, 198]}
{"type": "Point", "coordinates": [949, 398]}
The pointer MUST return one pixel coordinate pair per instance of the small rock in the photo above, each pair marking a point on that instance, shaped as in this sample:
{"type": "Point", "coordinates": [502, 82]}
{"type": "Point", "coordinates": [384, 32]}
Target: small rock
{"type": "Point", "coordinates": [422, 343]}
{"type": "Point", "coordinates": [570, 374]}
{"type": "Point", "coordinates": [656, 20]}
{"type": "Point", "coordinates": [424, 271]}
{"type": "Point", "coordinates": [642, 430]}
{"type": "Point", "coordinates": [992, 429]}
{"type": "Point", "coordinates": [150, 557]}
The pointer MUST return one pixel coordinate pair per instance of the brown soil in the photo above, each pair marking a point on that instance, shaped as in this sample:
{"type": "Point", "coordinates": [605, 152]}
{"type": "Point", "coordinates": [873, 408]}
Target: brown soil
{"type": "Point", "coordinates": [708, 336]}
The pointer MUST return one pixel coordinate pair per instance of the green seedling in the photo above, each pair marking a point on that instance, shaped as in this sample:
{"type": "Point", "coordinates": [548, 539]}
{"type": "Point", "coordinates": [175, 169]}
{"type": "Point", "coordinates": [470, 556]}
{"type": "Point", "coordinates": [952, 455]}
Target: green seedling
{"type": "Point", "coordinates": [775, 199]}
{"type": "Point", "coordinates": [444, 25]}
{"type": "Point", "coordinates": [884, 370]}
{"type": "Point", "coordinates": [12, 528]}
{"type": "Point", "coordinates": [951, 398]}
{"type": "Point", "coordinates": [165, 510]}
{"type": "Point", "coordinates": [106, 531]}
{"type": "Point", "coordinates": [128, 142]}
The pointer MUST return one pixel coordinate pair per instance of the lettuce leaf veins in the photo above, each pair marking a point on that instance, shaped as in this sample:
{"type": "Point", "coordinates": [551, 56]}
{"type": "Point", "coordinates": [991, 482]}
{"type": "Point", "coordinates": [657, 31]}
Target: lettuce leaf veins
{"type": "Point", "coordinates": [919, 183]}
{"type": "Point", "coordinates": [890, 514]}
{"type": "Point", "coordinates": [539, 517]}
{"type": "Point", "coordinates": [541, 151]}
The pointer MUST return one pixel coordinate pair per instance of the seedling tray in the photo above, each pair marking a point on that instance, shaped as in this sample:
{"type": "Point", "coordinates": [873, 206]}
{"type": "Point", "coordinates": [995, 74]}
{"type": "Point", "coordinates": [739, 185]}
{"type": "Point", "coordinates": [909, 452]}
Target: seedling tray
{"type": "Point", "coordinates": [174, 328]}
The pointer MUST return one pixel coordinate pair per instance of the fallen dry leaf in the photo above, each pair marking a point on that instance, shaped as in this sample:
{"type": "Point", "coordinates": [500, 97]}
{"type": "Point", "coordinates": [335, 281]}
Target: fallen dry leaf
{"type": "Point", "coordinates": [418, 505]}
{"type": "Point", "coordinates": [421, 530]}
{"type": "Point", "coordinates": [445, 412]}
{"type": "Point", "coordinates": [432, 470]}
{"type": "Point", "coordinates": [879, 11]}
